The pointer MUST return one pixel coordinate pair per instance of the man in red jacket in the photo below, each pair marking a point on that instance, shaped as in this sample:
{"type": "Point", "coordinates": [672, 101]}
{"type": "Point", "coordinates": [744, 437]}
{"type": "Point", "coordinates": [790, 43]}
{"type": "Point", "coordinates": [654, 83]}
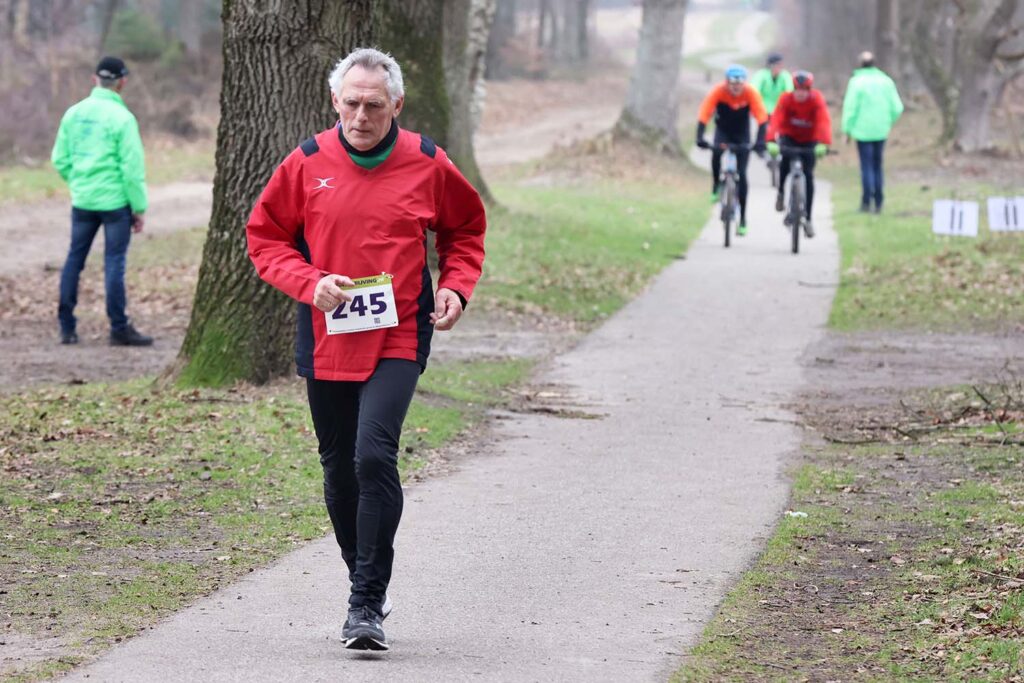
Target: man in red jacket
{"type": "Point", "coordinates": [802, 125]}
{"type": "Point", "coordinates": [342, 227]}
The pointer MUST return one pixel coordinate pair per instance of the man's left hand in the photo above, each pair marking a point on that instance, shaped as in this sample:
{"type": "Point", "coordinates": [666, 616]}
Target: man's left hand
{"type": "Point", "coordinates": [447, 309]}
{"type": "Point", "coordinates": [138, 222]}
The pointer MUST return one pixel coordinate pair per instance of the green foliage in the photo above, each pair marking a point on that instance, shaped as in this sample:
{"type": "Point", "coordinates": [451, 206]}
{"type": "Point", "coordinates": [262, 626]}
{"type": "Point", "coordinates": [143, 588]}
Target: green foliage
{"type": "Point", "coordinates": [135, 35]}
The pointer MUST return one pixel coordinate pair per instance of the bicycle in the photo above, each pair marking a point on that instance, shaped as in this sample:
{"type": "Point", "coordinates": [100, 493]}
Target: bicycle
{"type": "Point", "coordinates": [729, 184]}
{"type": "Point", "coordinates": [796, 212]}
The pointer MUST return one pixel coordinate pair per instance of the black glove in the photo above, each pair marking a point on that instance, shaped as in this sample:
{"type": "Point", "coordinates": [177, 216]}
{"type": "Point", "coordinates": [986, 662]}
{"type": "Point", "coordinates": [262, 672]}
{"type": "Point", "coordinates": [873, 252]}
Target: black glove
{"type": "Point", "coordinates": [759, 148]}
{"type": "Point", "coordinates": [701, 142]}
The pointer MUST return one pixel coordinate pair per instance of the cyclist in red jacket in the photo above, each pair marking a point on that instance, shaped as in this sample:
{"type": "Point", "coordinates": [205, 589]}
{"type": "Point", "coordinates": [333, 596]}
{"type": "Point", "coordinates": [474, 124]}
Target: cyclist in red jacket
{"type": "Point", "coordinates": [802, 124]}
{"type": "Point", "coordinates": [342, 227]}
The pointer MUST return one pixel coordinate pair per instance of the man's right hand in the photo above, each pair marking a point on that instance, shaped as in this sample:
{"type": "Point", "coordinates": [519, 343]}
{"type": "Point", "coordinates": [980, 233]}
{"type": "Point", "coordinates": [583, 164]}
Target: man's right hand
{"type": "Point", "coordinates": [329, 294]}
{"type": "Point", "coordinates": [703, 144]}
{"type": "Point", "coordinates": [138, 222]}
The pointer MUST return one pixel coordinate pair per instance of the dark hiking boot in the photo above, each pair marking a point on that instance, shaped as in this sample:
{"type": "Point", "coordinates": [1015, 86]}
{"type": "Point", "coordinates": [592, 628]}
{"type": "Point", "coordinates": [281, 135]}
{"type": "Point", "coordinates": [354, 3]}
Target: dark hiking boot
{"type": "Point", "coordinates": [363, 630]}
{"type": "Point", "coordinates": [68, 337]}
{"type": "Point", "coordinates": [129, 336]}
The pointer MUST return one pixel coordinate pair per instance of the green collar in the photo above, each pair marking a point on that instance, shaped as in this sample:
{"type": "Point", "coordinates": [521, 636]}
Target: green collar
{"type": "Point", "coordinates": [371, 162]}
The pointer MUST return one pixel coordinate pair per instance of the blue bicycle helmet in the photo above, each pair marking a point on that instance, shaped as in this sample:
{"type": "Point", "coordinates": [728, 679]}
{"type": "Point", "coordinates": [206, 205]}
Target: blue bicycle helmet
{"type": "Point", "coordinates": [736, 74]}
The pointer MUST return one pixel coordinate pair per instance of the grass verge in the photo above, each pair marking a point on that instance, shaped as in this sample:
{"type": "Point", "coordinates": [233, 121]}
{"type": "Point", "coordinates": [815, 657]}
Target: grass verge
{"type": "Point", "coordinates": [122, 502]}
{"type": "Point", "coordinates": [905, 561]}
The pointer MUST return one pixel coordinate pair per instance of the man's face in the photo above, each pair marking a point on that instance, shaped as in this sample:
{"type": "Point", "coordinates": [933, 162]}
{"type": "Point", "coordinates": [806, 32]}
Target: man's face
{"type": "Point", "coordinates": [801, 95]}
{"type": "Point", "coordinates": [364, 107]}
{"type": "Point", "coordinates": [776, 69]}
{"type": "Point", "coordinates": [736, 88]}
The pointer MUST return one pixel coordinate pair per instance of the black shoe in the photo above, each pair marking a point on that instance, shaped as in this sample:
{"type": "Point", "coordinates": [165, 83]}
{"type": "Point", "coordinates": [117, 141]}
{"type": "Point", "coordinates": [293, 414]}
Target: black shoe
{"type": "Point", "coordinates": [363, 630]}
{"type": "Point", "coordinates": [780, 203]}
{"type": "Point", "coordinates": [865, 208]}
{"type": "Point", "coordinates": [68, 337]}
{"type": "Point", "coordinates": [878, 208]}
{"type": "Point", "coordinates": [129, 336]}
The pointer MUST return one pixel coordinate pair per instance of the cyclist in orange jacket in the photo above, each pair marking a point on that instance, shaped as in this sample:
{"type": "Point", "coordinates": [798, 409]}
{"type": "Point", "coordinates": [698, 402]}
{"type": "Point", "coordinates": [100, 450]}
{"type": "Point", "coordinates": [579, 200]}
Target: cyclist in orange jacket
{"type": "Point", "coordinates": [732, 103]}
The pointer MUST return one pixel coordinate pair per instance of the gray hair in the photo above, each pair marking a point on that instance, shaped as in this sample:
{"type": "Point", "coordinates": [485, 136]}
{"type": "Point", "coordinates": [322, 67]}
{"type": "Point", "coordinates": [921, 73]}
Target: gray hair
{"type": "Point", "coordinates": [108, 83]}
{"type": "Point", "coordinates": [369, 58]}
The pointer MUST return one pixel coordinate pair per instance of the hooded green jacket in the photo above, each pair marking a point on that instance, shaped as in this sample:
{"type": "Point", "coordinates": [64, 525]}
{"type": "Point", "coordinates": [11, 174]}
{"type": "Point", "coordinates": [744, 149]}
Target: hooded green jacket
{"type": "Point", "coordinates": [99, 154]}
{"type": "Point", "coordinates": [872, 105]}
{"type": "Point", "coordinates": [771, 89]}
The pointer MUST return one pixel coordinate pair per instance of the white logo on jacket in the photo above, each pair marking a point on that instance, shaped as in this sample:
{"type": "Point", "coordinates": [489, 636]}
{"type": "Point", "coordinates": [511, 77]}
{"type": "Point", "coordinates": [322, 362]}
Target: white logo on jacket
{"type": "Point", "coordinates": [323, 183]}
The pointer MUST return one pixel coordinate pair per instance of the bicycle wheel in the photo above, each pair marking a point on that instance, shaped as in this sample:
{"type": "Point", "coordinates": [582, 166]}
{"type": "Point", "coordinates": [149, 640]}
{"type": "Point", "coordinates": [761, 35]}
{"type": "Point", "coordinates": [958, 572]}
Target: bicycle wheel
{"type": "Point", "coordinates": [796, 211]}
{"type": "Point", "coordinates": [728, 195]}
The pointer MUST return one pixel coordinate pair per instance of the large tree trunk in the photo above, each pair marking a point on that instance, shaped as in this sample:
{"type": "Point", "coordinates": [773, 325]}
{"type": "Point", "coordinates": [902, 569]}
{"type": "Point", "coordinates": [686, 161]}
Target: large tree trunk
{"type": "Point", "coordinates": [927, 58]}
{"type": "Point", "coordinates": [572, 44]}
{"type": "Point", "coordinates": [979, 71]}
{"type": "Point", "coordinates": [967, 77]}
{"type": "Point", "coordinates": [274, 95]}
{"type": "Point", "coordinates": [467, 24]}
{"type": "Point", "coordinates": [651, 113]}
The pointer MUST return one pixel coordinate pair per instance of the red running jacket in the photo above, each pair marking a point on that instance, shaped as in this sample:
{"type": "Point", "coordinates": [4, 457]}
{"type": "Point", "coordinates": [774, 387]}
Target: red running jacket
{"type": "Point", "coordinates": [804, 122]}
{"type": "Point", "coordinates": [321, 213]}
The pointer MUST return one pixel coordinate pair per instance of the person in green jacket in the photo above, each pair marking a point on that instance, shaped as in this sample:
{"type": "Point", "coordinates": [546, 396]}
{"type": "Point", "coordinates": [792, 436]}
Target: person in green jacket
{"type": "Point", "coordinates": [772, 81]}
{"type": "Point", "coordinates": [98, 153]}
{"type": "Point", "coordinates": [871, 107]}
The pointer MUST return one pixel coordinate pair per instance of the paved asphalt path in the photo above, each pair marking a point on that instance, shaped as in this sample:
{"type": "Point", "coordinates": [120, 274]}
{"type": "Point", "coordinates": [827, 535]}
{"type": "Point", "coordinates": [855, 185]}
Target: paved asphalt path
{"type": "Point", "coordinates": [565, 549]}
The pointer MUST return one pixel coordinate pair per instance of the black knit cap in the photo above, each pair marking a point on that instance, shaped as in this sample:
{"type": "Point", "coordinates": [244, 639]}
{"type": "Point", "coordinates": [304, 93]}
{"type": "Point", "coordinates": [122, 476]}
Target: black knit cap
{"type": "Point", "coordinates": [111, 67]}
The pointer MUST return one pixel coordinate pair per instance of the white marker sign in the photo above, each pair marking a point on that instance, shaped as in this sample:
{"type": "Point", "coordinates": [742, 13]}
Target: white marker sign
{"type": "Point", "coordinates": [950, 217]}
{"type": "Point", "coordinates": [1006, 214]}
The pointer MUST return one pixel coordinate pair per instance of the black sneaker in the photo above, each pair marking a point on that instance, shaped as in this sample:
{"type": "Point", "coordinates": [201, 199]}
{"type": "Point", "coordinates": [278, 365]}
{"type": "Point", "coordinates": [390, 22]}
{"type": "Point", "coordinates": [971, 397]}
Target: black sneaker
{"type": "Point", "coordinates": [780, 203]}
{"type": "Point", "coordinates": [865, 208]}
{"type": "Point", "coordinates": [68, 337]}
{"type": "Point", "coordinates": [129, 336]}
{"type": "Point", "coordinates": [363, 631]}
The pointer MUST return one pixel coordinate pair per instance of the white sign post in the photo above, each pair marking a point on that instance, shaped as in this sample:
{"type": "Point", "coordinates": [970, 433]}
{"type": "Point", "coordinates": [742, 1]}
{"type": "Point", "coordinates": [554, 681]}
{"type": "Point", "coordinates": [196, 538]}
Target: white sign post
{"type": "Point", "coordinates": [952, 217]}
{"type": "Point", "coordinates": [1006, 214]}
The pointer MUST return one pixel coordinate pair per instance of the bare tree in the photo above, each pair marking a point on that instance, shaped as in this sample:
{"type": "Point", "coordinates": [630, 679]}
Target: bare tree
{"type": "Point", "coordinates": [968, 82]}
{"type": "Point", "coordinates": [467, 25]}
{"type": "Point", "coordinates": [887, 35]}
{"type": "Point", "coordinates": [651, 113]}
{"type": "Point", "coordinates": [503, 30]}
{"type": "Point", "coordinates": [189, 27]}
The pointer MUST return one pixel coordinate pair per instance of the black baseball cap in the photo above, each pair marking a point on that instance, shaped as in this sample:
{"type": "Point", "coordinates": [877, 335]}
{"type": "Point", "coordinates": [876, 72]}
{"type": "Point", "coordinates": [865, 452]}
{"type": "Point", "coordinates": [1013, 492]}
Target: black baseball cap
{"type": "Point", "coordinates": [111, 67]}
{"type": "Point", "coordinates": [774, 58]}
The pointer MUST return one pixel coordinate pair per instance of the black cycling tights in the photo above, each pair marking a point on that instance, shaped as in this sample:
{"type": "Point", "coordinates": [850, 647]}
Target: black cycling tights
{"type": "Point", "coordinates": [742, 159]}
{"type": "Point", "coordinates": [358, 425]}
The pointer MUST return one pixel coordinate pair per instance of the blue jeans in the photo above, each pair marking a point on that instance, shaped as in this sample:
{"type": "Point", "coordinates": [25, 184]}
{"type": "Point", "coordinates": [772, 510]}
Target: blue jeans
{"type": "Point", "coordinates": [871, 177]}
{"type": "Point", "coordinates": [117, 232]}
